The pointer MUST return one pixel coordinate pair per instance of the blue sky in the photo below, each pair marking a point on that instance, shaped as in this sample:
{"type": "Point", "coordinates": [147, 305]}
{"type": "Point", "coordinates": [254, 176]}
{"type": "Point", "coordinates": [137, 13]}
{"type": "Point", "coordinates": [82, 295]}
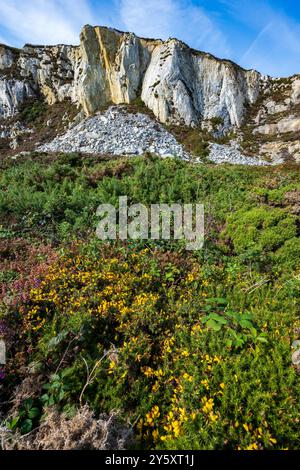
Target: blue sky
{"type": "Point", "coordinates": [260, 34]}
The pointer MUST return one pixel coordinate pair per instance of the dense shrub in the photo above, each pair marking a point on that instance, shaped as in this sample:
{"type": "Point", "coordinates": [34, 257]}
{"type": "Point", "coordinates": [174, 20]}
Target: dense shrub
{"type": "Point", "coordinates": [260, 229]}
{"type": "Point", "coordinates": [194, 350]}
{"type": "Point", "coordinates": [157, 341]}
{"type": "Point", "coordinates": [33, 111]}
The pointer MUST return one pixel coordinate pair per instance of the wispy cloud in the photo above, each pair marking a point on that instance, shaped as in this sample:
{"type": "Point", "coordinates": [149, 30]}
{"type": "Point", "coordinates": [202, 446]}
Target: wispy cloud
{"type": "Point", "coordinates": [256, 42]}
{"type": "Point", "coordinates": [274, 47]}
{"type": "Point", "coordinates": [60, 21]}
{"type": "Point", "coordinates": [174, 18]}
{"type": "Point", "coordinates": [44, 21]}
{"type": "Point", "coordinates": [255, 34]}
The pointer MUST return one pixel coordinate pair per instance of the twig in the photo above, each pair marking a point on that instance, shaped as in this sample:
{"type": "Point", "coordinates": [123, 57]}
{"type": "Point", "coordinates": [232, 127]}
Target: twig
{"type": "Point", "coordinates": [65, 353]}
{"type": "Point", "coordinates": [91, 375]}
{"type": "Point", "coordinates": [257, 286]}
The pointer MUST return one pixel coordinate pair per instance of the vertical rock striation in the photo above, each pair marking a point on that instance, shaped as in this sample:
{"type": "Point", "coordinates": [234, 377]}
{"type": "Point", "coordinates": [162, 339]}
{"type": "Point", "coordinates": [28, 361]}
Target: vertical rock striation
{"type": "Point", "coordinates": [180, 85]}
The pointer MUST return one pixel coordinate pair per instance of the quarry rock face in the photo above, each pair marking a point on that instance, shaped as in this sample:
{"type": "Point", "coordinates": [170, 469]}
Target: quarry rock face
{"type": "Point", "coordinates": [260, 115]}
{"type": "Point", "coordinates": [178, 84]}
{"type": "Point", "coordinates": [185, 86]}
{"type": "Point", "coordinates": [112, 68]}
{"type": "Point", "coordinates": [14, 93]}
{"type": "Point", "coordinates": [33, 72]}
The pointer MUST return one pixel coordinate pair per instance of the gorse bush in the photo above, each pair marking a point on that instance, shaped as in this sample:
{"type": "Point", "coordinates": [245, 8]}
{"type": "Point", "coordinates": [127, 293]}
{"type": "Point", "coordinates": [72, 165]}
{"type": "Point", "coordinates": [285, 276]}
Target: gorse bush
{"type": "Point", "coordinates": [61, 199]}
{"type": "Point", "coordinates": [192, 349]}
{"type": "Point", "coordinates": [190, 368]}
{"type": "Point", "coordinates": [261, 230]}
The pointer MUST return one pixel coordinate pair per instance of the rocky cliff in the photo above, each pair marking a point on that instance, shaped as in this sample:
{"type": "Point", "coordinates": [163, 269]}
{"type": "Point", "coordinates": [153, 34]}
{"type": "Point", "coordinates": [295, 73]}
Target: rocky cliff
{"type": "Point", "coordinates": [254, 115]}
{"type": "Point", "coordinates": [36, 71]}
{"type": "Point", "coordinates": [177, 83]}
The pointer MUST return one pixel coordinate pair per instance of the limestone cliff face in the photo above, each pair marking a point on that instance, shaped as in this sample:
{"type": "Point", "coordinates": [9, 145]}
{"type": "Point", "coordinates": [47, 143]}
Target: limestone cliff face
{"type": "Point", "coordinates": [36, 71]}
{"type": "Point", "coordinates": [113, 67]}
{"type": "Point", "coordinates": [188, 86]}
{"type": "Point", "coordinates": [178, 84]}
{"type": "Point", "coordinates": [273, 124]}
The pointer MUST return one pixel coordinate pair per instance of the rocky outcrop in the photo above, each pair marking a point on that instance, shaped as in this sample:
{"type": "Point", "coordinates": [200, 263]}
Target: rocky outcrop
{"type": "Point", "coordinates": [186, 86]}
{"type": "Point", "coordinates": [113, 65]}
{"type": "Point", "coordinates": [13, 132]}
{"type": "Point", "coordinates": [13, 93]}
{"type": "Point", "coordinates": [291, 124]}
{"type": "Point", "coordinates": [34, 72]}
{"type": "Point", "coordinates": [272, 126]}
{"type": "Point", "coordinates": [177, 83]}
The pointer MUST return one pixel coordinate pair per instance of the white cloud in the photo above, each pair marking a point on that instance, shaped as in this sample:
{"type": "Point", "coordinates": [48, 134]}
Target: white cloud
{"type": "Point", "coordinates": [60, 21]}
{"type": "Point", "coordinates": [276, 49]}
{"type": "Point", "coordinates": [173, 18]}
{"type": "Point", "coordinates": [44, 21]}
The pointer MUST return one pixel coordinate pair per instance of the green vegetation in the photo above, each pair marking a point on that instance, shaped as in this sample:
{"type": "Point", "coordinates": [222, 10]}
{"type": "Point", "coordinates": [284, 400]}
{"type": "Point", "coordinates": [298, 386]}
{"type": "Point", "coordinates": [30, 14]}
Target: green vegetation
{"type": "Point", "coordinates": [33, 111]}
{"type": "Point", "coordinates": [196, 141]}
{"type": "Point", "coordinates": [192, 348]}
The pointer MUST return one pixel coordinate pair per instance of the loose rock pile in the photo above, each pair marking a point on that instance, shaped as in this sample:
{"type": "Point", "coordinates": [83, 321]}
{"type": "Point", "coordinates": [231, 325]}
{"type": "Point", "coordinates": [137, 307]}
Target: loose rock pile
{"type": "Point", "coordinates": [228, 154]}
{"type": "Point", "coordinates": [117, 132]}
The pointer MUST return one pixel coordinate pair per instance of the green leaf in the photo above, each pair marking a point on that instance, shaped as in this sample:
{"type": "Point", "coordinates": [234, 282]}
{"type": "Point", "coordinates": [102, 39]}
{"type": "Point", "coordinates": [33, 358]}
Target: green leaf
{"type": "Point", "coordinates": [261, 339]}
{"type": "Point", "coordinates": [45, 398]}
{"type": "Point", "coordinates": [246, 324]}
{"type": "Point", "coordinates": [218, 318]}
{"type": "Point", "coordinates": [214, 325]}
{"type": "Point", "coordinates": [247, 316]}
{"type": "Point", "coordinates": [26, 426]}
{"type": "Point", "coordinates": [51, 401]}
{"type": "Point", "coordinates": [66, 372]}
{"type": "Point", "coordinates": [54, 342]}
{"type": "Point", "coordinates": [33, 413]}
{"type": "Point", "coordinates": [55, 378]}
{"type": "Point", "coordinates": [28, 403]}
{"type": "Point", "coordinates": [232, 333]}
{"type": "Point", "coordinates": [234, 315]}
{"type": "Point", "coordinates": [13, 423]}
{"type": "Point", "coordinates": [254, 332]}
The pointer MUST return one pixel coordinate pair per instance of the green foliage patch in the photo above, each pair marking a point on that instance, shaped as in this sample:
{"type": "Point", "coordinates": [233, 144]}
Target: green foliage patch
{"type": "Point", "coordinates": [193, 349]}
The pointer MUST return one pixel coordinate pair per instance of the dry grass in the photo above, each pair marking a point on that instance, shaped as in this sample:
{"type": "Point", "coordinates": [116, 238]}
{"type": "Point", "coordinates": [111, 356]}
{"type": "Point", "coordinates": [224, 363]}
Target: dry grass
{"type": "Point", "coordinates": [81, 432]}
